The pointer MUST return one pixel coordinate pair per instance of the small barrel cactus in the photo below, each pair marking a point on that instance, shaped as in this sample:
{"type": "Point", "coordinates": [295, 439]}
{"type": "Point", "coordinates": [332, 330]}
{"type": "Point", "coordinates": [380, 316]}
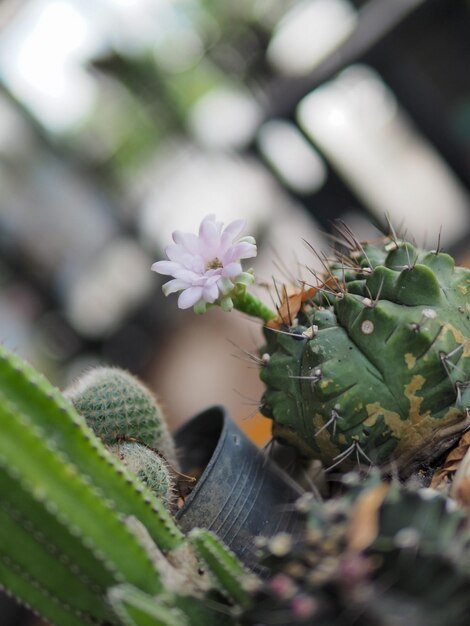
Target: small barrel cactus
{"type": "Point", "coordinates": [151, 468]}
{"type": "Point", "coordinates": [375, 367]}
{"type": "Point", "coordinates": [118, 407]}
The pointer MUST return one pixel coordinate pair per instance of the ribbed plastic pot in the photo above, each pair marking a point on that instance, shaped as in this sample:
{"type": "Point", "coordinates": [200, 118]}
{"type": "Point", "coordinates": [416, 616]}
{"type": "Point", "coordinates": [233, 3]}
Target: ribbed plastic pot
{"type": "Point", "coordinates": [241, 493]}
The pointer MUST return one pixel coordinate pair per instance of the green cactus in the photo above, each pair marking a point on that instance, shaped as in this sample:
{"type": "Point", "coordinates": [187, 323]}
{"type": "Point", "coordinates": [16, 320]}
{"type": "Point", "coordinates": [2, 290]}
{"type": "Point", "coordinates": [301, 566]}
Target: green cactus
{"type": "Point", "coordinates": [118, 407]}
{"type": "Point", "coordinates": [375, 368]}
{"type": "Point", "coordinates": [377, 556]}
{"type": "Point", "coordinates": [231, 578]}
{"type": "Point", "coordinates": [84, 541]}
{"type": "Point", "coordinates": [75, 524]}
{"type": "Point", "coordinates": [151, 468]}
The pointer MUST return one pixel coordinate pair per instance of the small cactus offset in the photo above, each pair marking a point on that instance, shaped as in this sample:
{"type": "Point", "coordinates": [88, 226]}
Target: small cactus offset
{"type": "Point", "coordinates": [374, 368]}
{"type": "Point", "coordinates": [118, 407]}
{"type": "Point", "coordinates": [126, 416]}
{"type": "Point", "coordinates": [151, 468]}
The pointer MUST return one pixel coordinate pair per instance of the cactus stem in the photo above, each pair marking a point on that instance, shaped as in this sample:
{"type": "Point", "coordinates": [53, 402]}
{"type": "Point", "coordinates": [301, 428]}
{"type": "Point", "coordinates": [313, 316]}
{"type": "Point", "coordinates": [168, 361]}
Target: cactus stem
{"type": "Point", "coordinates": [428, 349]}
{"type": "Point", "coordinates": [393, 331]}
{"type": "Point", "coordinates": [372, 302]}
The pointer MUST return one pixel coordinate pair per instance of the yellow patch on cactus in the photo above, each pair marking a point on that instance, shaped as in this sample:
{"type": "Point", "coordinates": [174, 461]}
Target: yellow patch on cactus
{"type": "Point", "coordinates": [459, 337]}
{"type": "Point", "coordinates": [410, 360]}
{"type": "Point", "coordinates": [391, 417]}
{"type": "Point", "coordinates": [411, 388]}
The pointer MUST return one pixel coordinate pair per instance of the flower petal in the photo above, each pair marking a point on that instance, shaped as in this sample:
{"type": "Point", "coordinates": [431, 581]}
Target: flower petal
{"type": "Point", "coordinates": [226, 241]}
{"type": "Point", "coordinates": [209, 234]}
{"type": "Point", "coordinates": [225, 285]}
{"type": "Point", "coordinates": [174, 285]}
{"type": "Point", "coordinates": [189, 241]}
{"type": "Point", "coordinates": [210, 293]}
{"type": "Point", "coordinates": [189, 297]}
{"type": "Point", "coordinates": [176, 253]}
{"type": "Point", "coordinates": [166, 267]}
{"type": "Point", "coordinates": [231, 270]}
{"type": "Point", "coordinates": [235, 228]}
{"type": "Point", "coordinates": [192, 278]}
{"type": "Point", "coordinates": [240, 251]}
{"type": "Point", "coordinates": [196, 264]}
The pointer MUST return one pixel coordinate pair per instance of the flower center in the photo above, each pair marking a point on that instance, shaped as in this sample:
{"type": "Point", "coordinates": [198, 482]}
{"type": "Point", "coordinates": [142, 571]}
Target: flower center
{"type": "Point", "coordinates": [215, 264]}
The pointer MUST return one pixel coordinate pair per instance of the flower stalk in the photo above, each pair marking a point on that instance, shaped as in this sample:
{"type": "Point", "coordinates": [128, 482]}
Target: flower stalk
{"type": "Point", "coordinates": [249, 304]}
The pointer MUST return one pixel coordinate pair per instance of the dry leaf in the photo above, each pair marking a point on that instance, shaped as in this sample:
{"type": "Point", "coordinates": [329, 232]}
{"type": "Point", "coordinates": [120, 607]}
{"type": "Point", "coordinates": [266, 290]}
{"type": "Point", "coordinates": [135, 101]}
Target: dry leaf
{"type": "Point", "coordinates": [290, 307]}
{"type": "Point", "coordinates": [364, 525]}
{"type": "Point", "coordinates": [444, 474]}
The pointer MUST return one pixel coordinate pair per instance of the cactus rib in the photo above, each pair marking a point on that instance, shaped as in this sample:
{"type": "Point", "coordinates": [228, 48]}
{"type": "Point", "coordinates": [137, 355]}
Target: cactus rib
{"type": "Point", "coordinates": [231, 577]}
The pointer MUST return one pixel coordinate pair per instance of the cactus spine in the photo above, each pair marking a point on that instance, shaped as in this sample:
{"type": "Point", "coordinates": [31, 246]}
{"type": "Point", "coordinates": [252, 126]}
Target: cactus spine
{"type": "Point", "coordinates": [376, 367]}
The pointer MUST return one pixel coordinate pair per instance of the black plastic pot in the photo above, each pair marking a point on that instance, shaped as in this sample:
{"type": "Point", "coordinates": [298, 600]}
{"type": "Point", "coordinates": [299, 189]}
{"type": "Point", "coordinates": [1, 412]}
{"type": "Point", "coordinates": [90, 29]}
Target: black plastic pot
{"type": "Point", "coordinates": [241, 493]}
{"type": "Point", "coordinates": [11, 614]}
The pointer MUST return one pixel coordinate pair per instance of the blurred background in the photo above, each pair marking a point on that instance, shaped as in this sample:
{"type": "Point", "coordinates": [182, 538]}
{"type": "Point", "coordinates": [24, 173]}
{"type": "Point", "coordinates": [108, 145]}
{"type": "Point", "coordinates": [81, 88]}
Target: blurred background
{"type": "Point", "coordinates": [122, 120]}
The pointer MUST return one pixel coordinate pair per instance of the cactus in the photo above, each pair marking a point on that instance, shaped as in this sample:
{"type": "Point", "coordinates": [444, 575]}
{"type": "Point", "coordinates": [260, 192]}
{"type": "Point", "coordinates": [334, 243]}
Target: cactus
{"type": "Point", "coordinates": [84, 541]}
{"type": "Point", "coordinates": [118, 407]}
{"type": "Point", "coordinates": [151, 468]}
{"type": "Point", "coordinates": [125, 415]}
{"type": "Point", "coordinates": [377, 556]}
{"type": "Point", "coordinates": [375, 366]}
{"type": "Point", "coordinates": [76, 526]}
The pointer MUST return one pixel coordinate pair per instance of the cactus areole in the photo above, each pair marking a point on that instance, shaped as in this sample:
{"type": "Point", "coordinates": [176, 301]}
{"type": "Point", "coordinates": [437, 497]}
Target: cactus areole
{"type": "Point", "coordinates": [376, 366]}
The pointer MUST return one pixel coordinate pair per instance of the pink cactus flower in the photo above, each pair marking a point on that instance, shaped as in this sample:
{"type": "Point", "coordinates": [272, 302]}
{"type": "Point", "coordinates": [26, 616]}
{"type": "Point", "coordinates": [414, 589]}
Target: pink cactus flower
{"type": "Point", "coordinates": [206, 267]}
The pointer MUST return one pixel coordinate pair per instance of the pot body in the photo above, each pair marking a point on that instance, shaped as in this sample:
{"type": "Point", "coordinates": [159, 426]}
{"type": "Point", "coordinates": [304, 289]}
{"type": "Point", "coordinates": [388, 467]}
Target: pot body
{"type": "Point", "coordinates": [241, 493]}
